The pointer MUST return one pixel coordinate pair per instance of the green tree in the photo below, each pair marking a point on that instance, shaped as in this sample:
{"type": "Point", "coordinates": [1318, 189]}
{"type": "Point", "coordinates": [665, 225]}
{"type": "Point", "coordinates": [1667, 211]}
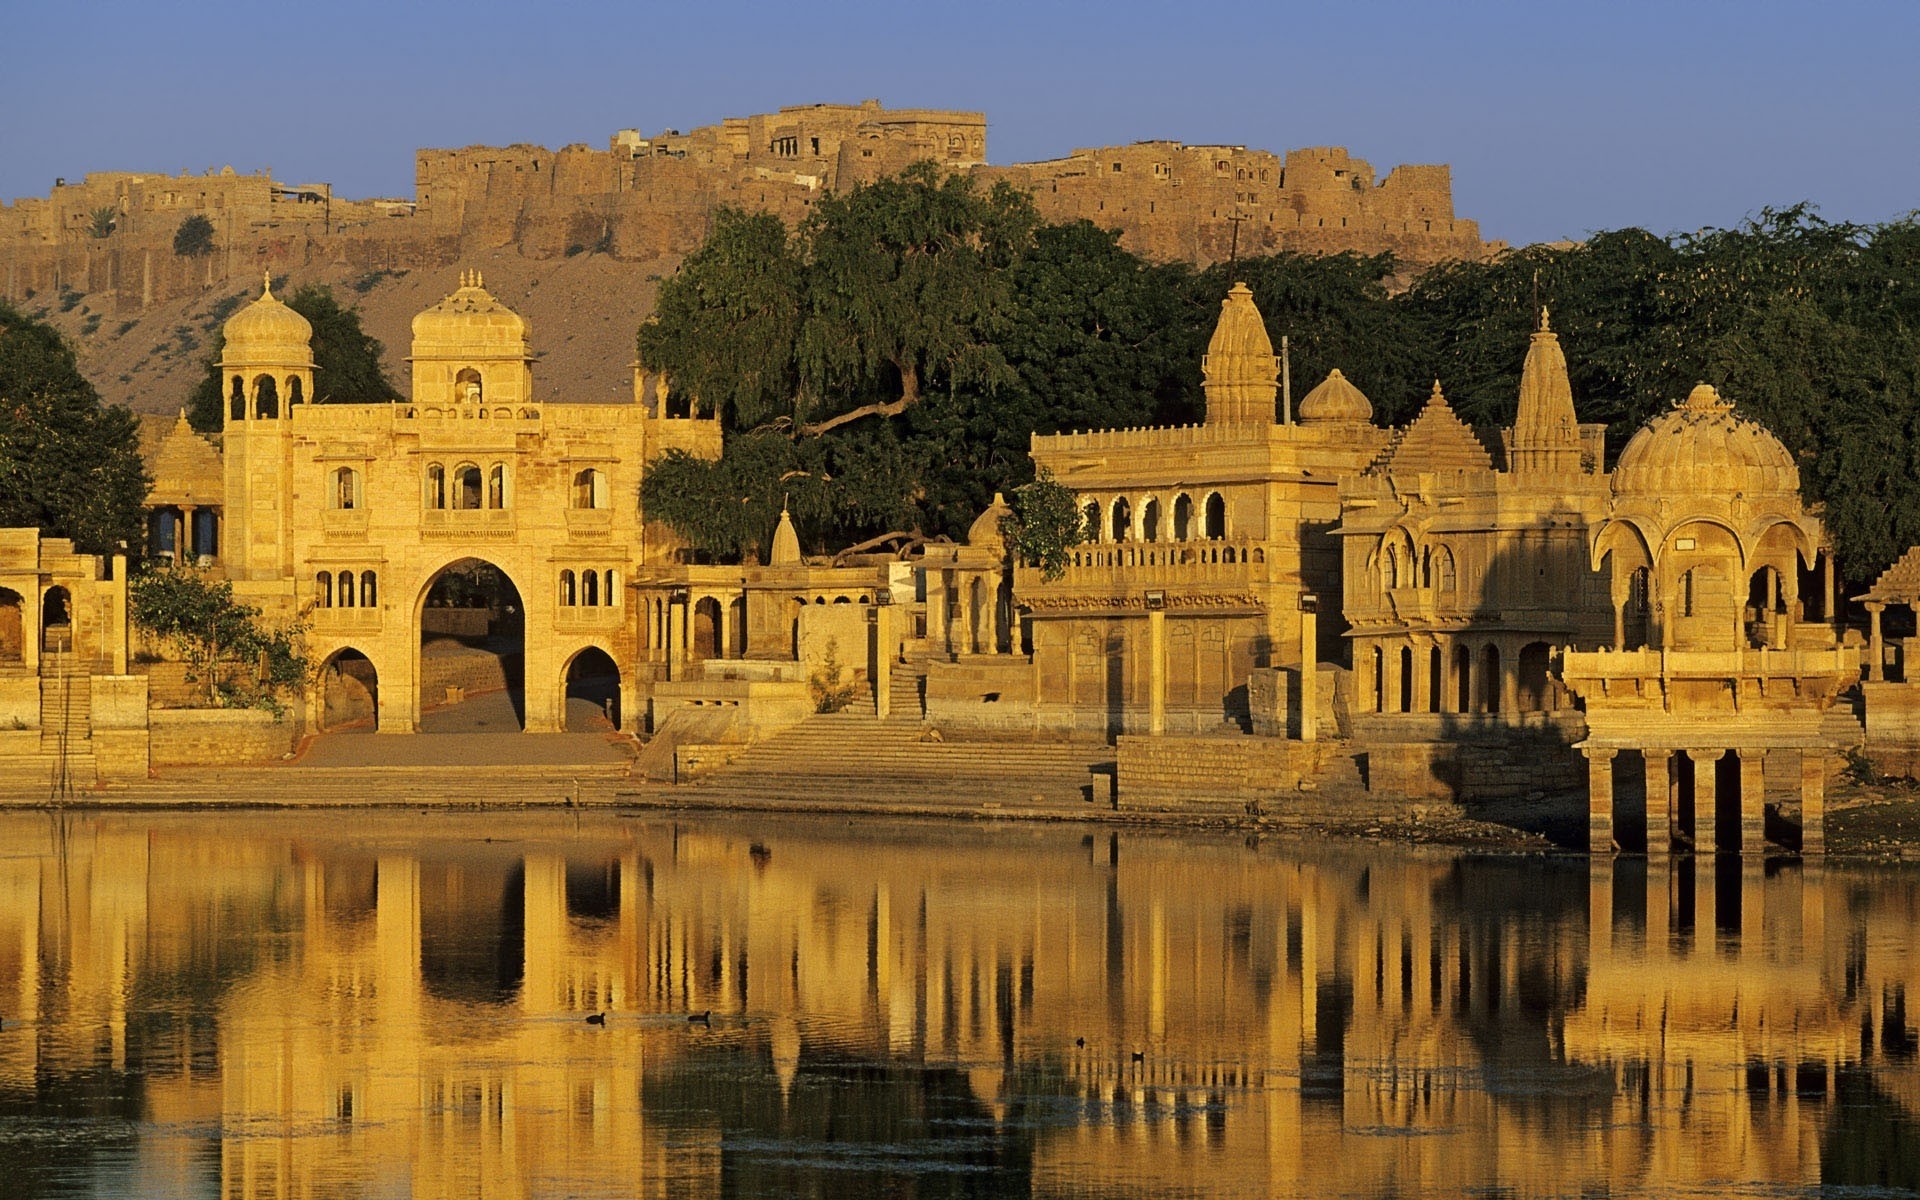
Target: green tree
{"type": "Point", "coordinates": [194, 237]}
{"type": "Point", "coordinates": [346, 360]}
{"type": "Point", "coordinates": [69, 465]}
{"type": "Point", "coordinates": [242, 661]}
{"type": "Point", "coordinates": [1044, 525]}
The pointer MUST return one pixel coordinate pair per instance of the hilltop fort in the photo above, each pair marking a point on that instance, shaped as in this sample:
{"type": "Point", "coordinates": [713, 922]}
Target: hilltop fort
{"type": "Point", "coordinates": [643, 198]}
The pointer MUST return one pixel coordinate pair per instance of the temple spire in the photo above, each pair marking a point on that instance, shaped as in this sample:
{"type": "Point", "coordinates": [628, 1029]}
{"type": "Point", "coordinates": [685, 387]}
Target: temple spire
{"type": "Point", "coordinates": [1241, 372]}
{"type": "Point", "coordinates": [1546, 433]}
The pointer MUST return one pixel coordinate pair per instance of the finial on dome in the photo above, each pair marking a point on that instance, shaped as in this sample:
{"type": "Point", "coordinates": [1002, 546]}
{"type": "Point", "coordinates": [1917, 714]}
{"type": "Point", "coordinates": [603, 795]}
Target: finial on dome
{"type": "Point", "coordinates": [1546, 325]}
{"type": "Point", "coordinates": [1703, 398]}
{"type": "Point", "coordinates": [266, 282]}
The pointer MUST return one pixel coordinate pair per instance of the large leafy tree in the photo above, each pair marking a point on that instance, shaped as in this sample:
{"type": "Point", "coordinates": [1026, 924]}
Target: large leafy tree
{"type": "Point", "coordinates": [69, 465]}
{"type": "Point", "coordinates": [242, 660]}
{"type": "Point", "coordinates": [346, 360]}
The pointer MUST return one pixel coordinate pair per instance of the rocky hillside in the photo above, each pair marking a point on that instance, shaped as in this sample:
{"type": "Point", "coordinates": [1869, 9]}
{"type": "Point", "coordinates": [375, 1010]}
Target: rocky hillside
{"type": "Point", "coordinates": [584, 310]}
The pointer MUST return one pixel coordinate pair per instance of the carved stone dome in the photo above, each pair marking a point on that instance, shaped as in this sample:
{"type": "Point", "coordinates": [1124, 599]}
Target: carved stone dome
{"type": "Point", "coordinates": [470, 324]}
{"type": "Point", "coordinates": [267, 331]}
{"type": "Point", "coordinates": [1699, 447]}
{"type": "Point", "coordinates": [1336, 399]}
{"type": "Point", "coordinates": [985, 530]}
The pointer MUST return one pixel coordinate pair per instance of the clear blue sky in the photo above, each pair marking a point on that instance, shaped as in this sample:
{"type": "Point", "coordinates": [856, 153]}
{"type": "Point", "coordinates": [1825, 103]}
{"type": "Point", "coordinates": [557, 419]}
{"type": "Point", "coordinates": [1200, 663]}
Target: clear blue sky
{"type": "Point", "coordinates": [1558, 119]}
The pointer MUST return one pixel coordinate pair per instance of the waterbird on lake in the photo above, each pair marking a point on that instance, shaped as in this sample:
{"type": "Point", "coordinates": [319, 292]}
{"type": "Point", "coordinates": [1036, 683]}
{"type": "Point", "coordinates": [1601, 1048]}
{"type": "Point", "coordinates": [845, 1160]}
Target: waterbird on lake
{"type": "Point", "coordinates": [597, 1018]}
{"type": "Point", "coordinates": [1080, 1043]}
{"type": "Point", "coordinates": [701, 1018]}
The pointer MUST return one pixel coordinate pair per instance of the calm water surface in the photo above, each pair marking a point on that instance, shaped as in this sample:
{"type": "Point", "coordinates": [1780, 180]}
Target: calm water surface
{"type": "Point", "coordinates": [393, 1005]}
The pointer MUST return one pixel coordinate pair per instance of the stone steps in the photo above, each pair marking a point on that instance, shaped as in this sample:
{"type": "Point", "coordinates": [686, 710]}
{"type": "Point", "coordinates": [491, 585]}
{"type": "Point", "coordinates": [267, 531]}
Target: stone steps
{"type": "Point", "coordinates": [66, 705]}
{"type": "Point", "coordinates": [340, 786]}
{"type": "Point", "coordinates": [1844, 725]}
{"type": "Point", "coordinates": [849, 757]}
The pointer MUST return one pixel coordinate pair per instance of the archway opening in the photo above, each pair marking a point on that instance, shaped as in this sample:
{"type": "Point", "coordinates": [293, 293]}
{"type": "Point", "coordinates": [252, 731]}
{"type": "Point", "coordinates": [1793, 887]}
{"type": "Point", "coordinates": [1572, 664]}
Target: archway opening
{"type": "Point", "coordinates": [12, 626]}
{"type": "Point", "coordinates": [1534, 688]}
{"type": "Point", "coordinates": [1216, 516]}
{"type": "Point", "coordinates": [1463, 679]}
{"type": "Point", "coordinates": [708, 635]}
{"type": "Point", "coordinates": [1406, 679]}
{"type": "Point", "coordinates": [593, 693]}
{"type": "Point", "coordinates": [349, 693]}
{"type": "Point", "coordinates": [1436, 680]}
{"type": "Point", "coordinates": [56, 619]}
{"type": "Point", "coordinates": [472, 651]}
{"type": "Point", "coordinates": [1490, 679]}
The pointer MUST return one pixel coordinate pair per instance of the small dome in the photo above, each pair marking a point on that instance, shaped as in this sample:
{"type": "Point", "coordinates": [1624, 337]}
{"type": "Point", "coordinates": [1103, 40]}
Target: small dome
{"type": "Point", "coordinates": [1336, 399]}
{"type": "Point", "coordinates": [985, 530]}
{"type": "Point", "coordinates": [267, 331]}
{"type": "Point", "coordinates": [470, 324]}
{"type": "Point", "coordinates": [786, 543]}
{"type": "Point", "coordinates": [1699, 447]}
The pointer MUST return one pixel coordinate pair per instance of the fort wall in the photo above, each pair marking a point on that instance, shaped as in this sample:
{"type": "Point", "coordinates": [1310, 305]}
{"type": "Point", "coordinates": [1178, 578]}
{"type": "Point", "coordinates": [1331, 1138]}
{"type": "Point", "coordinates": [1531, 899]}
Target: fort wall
{"type": "Point", "coordinates": [646, 197]}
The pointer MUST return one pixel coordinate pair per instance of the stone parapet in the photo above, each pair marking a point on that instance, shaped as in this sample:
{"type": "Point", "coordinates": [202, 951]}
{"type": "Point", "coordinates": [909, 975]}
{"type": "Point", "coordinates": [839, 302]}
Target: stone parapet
{"type": "Point", "coordinates": [199, 737]}
{"type": "Point", "coordinates": [1168, 772]}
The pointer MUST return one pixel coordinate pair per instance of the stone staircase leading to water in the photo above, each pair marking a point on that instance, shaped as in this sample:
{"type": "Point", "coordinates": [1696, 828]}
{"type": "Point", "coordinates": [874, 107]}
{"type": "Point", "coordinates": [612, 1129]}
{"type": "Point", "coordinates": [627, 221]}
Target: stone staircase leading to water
{"type": "Point", "coordinates": [1844, 726]}
{"type": "Point", "coordinates": [851, 758]}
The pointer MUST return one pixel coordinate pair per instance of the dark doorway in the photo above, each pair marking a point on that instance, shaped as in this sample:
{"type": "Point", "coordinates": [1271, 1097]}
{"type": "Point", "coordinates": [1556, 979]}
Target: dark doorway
{"type": "Point", "coordinates": [593, 693]}
{"type": "Point", "coordinates": [472, 651]}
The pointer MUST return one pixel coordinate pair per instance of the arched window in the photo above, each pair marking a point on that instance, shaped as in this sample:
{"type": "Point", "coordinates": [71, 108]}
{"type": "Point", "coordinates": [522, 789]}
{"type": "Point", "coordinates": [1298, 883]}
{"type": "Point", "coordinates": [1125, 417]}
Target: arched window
{"type": "Point", "coordinates": [1122, 521]}
{"type": "Point", "coordinates": [369, 590]}
{"type": "Point", "coordinates": [497, 486]}
{"type": "Point", "coordinates": [590, 588]}
{"type": "Point", "coordinates": [436, 486]}
{"type": "Point", "coordinates": [1182, 517]}
{"type": "Point", "coordinates": [567, 594]}
{"type": "Point", "coordinates": [294, 395]}
{"type": "Point", "coordinates": [344, 488]}
{"type": "Point", "coordinates": [1216, 516]}
{"type": "Point", "coordinates": [266, 397]}
{"type": "Point", "coordinates": [1390, 566]}
{"type": "Point", "coordinates": [343, 590]}
{"type": "Point", "coordinates": [467, 386]}
{"type": "Point", "coordinates": [610, 593]}
{"type": "Point", "coordinates": [1150, 521]}
{"type": "Point", "coordinates": [323, 589]}
{"type": "Point", "coordinates": [466, 486]}
{"type": "Point", "coordinates": [1443, 575]}
{"type": "Point", "coordinates": [1092, 518]}
{"type": "Point", "coordinates": [237, 400]}
{"type": "Point", "coordinates": [590, 488]}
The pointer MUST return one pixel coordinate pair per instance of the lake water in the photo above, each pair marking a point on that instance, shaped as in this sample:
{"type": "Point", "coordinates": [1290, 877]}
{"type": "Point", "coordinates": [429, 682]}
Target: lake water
{"type": "Point", "coordinates": [345, 1004]}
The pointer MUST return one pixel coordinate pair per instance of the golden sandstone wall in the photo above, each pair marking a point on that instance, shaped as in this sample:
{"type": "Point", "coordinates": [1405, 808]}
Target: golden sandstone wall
{"type": "Point", "coordinates": [644, 197]}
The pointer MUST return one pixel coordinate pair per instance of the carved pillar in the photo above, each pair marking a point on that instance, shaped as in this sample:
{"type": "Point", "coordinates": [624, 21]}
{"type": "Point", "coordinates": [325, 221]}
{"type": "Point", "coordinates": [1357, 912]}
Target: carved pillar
{"type": "Point", "coordinates": [1659, 801]}
{"type": "Point", "coordinates": [1422, 679]}
{"type": "Point", "coordinates": [1599, 800]}
{"type": "Point", "coordinates": [1309, 674]}
{"type": "Point", "coordinates": [883, 648]}
{"type": "Point", "coordinates": [1390, 679]}
{"type": "Point", "coordinates": [1509, 681]}
{"type": "Point", "coordinates": [1876, 652]}
{"type": "Point", "coordinates": [1790, 613]}
{"type": "Point", "coordinates": [1813, 801]}
{"type": "Point", "coordinates": [188, 551]}
{"type": "Point", "coordinates": [676, 638]}
{"type": "Point", "coordinates": [1828, 595]}
{"type": "Point", "coordinates": [1705, 800]}
{"type": "Point", "coordinates": [1753, 802]}
{"type": "Point", "coordinates": [1156, 672]}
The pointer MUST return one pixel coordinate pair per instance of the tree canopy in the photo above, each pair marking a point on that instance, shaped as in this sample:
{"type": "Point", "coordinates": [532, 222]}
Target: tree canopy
{"type": "Point", "coordinates": [242, 661]}
{"type": "Point", "coordinates": [194, 237]}
{"type": "Point", "coordinates": [69, 465]}
{"type": "Point", "coordinates": [885, 365]}
{"type": "Point", "coordinates": [345, 358]}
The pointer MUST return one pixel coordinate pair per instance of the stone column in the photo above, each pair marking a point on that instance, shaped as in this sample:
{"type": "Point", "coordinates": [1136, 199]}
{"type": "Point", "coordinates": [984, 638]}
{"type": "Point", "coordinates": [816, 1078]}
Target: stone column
{"type": "Point", "coordinates": [882, 660]}
{"type": "Point", "coordinates": [1813, 801]}
{"type": "Point", "coordinates": [1390, 679]}
{"type": "Point", "coordinates": [1509, 681]}
{"type": "Point", "coordinates": [1422, 683]}
{"type": "Point", "coordinates": [1705, 800]}
{"type": "Point", "coordinates": [1659, 801]}
{"type": "Point", "coordinates": [965, 586]}
{"type": "Point", "coordinates": [1828, 595]}
{"type": "Point", "coordinates": [1156, 672]}
{"type": "Point", "coordinates": [1753, 802]}
{"type": "Point", "coordinates": [676, 639]}
{"type": "Point", "coordinates": [1790, 614]}
{"type": "Point", "coordinates": [937, 611]}
{"type": "Point", "coordinates": [1599, 799]}
{"type": "Point", "coordinates": [186, 539]}
{"type": "Point", "coordinates": [1309, 674]}
{"type": "Point", "coordinates": [1876, 652]}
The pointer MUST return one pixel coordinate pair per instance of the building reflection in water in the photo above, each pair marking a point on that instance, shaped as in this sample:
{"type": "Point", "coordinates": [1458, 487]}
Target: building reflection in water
{"type": "Point", "coordinates": [285, 1007]}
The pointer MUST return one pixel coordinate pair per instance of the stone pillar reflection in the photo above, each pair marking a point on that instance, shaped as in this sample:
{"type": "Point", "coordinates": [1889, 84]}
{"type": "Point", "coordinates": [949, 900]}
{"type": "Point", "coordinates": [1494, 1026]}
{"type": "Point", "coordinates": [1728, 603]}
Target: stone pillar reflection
{"type": "Point", "coordinates": [1600, 908]}
{"type": "Point", "coordinates": [1705, 800]}
{"type": "Point", "coordinates": [1659, 906]}
{"type": "Point", "coordinates": [1599, 799]}
{"type": "Point", "coordinates": [1659, 787]}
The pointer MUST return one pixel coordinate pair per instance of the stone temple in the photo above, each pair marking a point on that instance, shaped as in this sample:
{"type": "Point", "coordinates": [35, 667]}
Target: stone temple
{"type": "Point", "coordinates": [1267, 603]}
